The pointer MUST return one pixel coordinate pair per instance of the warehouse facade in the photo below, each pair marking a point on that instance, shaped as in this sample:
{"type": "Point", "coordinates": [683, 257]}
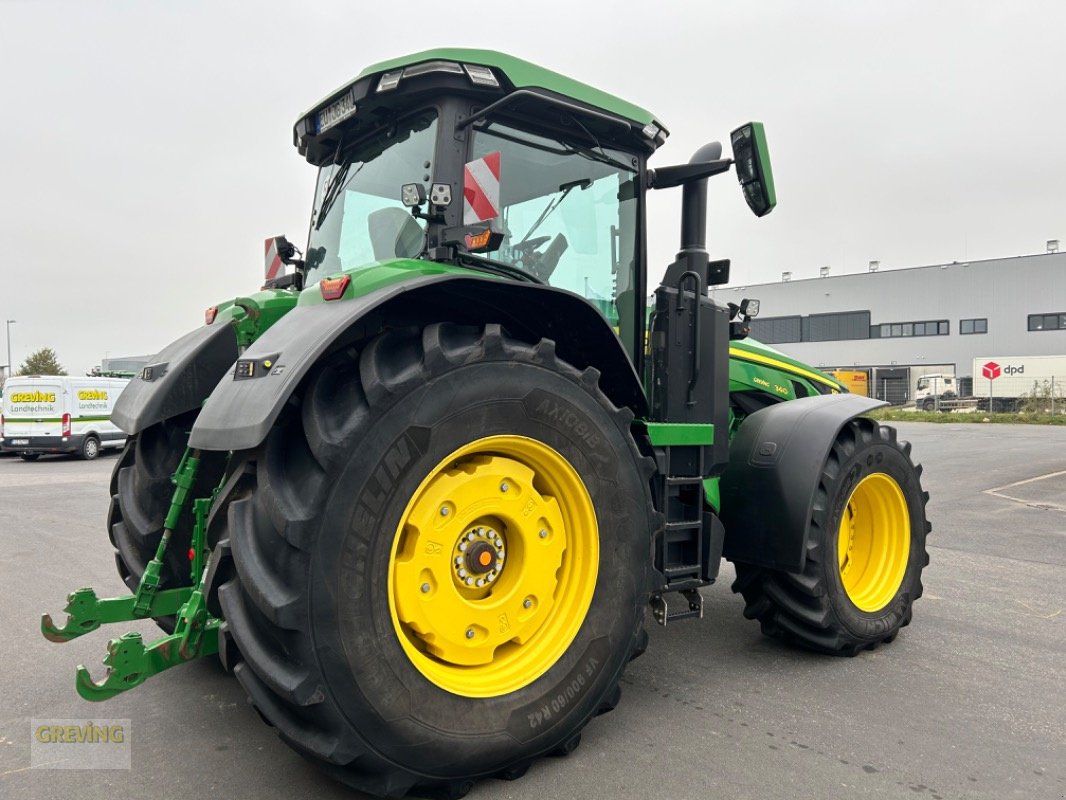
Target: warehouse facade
{"type": "Point", "coordinates": [903, 323]}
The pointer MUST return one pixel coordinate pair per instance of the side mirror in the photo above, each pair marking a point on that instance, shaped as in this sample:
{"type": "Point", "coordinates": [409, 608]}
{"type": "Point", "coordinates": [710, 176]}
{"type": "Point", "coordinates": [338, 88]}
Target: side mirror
{"type": "Point", "coordinates": [752, 160]}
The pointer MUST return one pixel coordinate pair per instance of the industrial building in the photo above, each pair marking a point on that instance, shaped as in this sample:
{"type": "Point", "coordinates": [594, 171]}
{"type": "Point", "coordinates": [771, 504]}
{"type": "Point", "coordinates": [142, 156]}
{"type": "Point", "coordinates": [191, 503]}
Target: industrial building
{"type": "Point", "coordinates": [899, 324]}
{"type": "Point", "coordinates": [123, 365]}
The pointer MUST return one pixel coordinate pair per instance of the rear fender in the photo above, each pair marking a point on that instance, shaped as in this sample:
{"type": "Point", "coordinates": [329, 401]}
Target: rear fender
{"type": "Point", "coordinates": [178, 379]}
{"type": "Point", "coordinates": [241, 410]}
{"type": "Point", "coordinates": [775, 462]}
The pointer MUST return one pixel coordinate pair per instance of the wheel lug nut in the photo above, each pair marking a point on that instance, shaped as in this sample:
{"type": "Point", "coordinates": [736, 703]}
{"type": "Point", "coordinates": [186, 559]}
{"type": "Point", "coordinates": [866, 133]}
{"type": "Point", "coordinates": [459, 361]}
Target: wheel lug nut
{"type": "Point", "coordinates": [425, 588]}
{"type": "Point", "coordinates": [469, 633]}
{"type": "Point", "coordinates": [462, 573]}
{"type": "Point", "coordinates": [471, 536]}
{"type": "Point", "coordinates": [504, 486]}
{"type": "Point", "coordinates": [444, 511]}
{"type": "Point", "coordinates": [469, 581]}
{"type": "Point", "coordinates": [480, 582]}
{"type": "Point", "coordinates": [462, 546]}
{"type": "Point", "coordinates": [527, 603]}
{"type": "Point", "coordinates": [543, 534]}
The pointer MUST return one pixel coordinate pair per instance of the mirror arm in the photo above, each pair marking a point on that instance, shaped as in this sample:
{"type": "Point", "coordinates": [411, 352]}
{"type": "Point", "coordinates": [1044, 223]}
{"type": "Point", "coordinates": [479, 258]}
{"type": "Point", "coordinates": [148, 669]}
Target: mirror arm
{"type": "Point", "coordinates": [681, 174]}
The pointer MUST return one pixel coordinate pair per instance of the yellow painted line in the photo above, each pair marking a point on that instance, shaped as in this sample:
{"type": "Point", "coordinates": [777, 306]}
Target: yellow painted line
{"type": "Point", "coordinates": [747, 355]}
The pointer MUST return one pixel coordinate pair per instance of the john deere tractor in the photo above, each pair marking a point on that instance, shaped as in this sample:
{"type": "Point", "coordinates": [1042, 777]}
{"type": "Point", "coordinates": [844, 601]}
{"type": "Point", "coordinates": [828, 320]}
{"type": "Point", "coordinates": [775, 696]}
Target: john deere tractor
{"type": "Point", "coordinates": [419, 491]}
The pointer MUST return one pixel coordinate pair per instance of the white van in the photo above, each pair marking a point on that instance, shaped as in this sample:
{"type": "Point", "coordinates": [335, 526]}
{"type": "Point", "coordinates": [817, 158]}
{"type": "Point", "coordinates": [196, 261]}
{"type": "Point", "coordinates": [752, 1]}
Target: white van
{"type": "Point", "coordinates": [59, 414]}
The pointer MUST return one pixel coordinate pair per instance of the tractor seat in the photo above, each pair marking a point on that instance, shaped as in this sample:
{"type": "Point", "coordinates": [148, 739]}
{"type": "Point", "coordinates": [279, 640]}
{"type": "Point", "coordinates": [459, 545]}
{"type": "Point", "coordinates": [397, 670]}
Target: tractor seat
{"type": "Point", "coordinates": [394, 233]}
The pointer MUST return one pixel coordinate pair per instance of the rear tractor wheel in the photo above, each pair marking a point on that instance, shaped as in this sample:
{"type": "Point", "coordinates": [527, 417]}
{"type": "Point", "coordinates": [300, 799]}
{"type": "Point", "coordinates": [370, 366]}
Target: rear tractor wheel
{"type": "Point", "coordinates": [865, 552]}
{"type": "Point", "coordinates": [441, 560]}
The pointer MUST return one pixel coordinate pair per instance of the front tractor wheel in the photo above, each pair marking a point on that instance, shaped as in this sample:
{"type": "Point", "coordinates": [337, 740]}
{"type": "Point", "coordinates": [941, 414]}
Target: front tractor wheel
{"type": "Point", "coordinates": [865, 552]}
{"type": "Point", "coordinates": [441, 558]}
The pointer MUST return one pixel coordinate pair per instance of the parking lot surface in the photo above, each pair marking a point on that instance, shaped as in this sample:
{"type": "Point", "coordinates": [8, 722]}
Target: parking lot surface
{"type": "Point", "coordinates": [968, 702]}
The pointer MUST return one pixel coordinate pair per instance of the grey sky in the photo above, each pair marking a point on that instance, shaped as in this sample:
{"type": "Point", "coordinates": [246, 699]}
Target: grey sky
{"type": "Point", "coordinates": [145, 147]}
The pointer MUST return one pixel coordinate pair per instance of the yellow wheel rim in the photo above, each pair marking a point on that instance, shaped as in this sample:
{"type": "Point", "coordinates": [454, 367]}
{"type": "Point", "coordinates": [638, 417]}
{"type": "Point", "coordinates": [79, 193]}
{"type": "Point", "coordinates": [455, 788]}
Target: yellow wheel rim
{"type": "Point", "coordinates": [874, 542]}
{"type": "Point", "coordinates": [493, 566]}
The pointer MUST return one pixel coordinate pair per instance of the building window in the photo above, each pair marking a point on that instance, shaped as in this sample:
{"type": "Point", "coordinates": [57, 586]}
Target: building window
{"type": "Point", "coordinates": [979, 325]}
{"type": "Point", "coordinates": [775, 330]}
{"type": "Point", "coordinates": [836, 327]}
{"type": "Point", "coordinates": [1047, 322]}
{"type": "Point", "coordinates": [938, 327]}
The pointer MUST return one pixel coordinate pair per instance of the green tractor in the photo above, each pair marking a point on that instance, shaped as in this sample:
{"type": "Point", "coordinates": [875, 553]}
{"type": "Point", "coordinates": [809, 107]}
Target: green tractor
{"type": "Point", "coordinates": [418, 492]}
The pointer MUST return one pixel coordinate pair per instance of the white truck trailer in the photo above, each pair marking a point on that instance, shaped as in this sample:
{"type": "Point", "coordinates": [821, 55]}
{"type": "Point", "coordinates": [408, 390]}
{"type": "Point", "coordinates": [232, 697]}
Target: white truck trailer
{"type": "Point", "coordinates": [1000, 383]}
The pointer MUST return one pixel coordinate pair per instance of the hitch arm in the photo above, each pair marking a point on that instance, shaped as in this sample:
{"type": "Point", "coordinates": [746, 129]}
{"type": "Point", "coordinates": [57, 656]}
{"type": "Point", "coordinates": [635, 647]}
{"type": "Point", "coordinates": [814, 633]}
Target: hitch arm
{"type": "Point", "coordinates": [129, 663]}
{"type": "Point", "coordinates": [86, 612]}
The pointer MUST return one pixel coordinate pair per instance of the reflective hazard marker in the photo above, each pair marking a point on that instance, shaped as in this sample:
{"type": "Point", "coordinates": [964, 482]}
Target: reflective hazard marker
{"type": "Point", "coordinates": [274, 265]}
{"type": "Point", "coordinates": [481, 189]}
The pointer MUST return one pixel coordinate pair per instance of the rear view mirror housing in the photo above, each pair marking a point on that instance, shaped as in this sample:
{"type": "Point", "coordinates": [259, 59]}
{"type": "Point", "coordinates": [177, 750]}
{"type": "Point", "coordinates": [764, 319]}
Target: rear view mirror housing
{"type": "Point", "coordinates": [752, 161]}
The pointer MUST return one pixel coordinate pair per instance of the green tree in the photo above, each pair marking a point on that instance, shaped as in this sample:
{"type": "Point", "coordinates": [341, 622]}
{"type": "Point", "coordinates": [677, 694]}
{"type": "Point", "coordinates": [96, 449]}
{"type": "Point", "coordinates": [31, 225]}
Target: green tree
{"type": "Point", "coordinates": [42, 362]}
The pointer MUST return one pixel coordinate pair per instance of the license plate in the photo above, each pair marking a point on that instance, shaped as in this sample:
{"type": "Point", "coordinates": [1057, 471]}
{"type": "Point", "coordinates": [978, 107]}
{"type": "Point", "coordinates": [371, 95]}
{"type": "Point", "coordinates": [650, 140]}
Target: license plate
{"type": "Point", "coordinates": [336, 112]}
{"type": "Point", "coordinates": [20, 441]}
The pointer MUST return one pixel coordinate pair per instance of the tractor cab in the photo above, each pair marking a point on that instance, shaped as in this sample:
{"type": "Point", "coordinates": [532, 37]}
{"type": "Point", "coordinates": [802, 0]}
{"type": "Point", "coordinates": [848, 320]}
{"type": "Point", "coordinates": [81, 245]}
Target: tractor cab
{"type": "Point", "coordinates": [481, 160]}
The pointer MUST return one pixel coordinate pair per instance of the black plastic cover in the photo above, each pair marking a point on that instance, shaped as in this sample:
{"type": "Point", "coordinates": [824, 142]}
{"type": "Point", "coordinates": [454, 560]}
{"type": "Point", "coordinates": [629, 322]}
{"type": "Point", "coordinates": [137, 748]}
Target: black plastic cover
{"type": "Point", "coordinates": [690, 367]}
{"type": "Point", "coordinates": [178, 379]}
{"type": "Point", "coordinates": [775, 460]}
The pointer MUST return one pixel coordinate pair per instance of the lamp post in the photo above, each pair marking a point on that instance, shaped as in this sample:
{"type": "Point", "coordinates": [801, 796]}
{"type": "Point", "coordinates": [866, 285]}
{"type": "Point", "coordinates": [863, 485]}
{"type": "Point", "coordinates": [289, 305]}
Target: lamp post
{"type": "Point", "coordinates": [9, 323]}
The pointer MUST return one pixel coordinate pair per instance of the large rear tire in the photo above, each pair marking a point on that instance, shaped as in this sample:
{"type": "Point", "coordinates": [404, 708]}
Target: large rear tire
{"type": "Point", "coordinates": [141, 491]}
{"type": "Point", "coordinates": [364, 534]}
{"type": "Point", "coordinates": [865, 551]}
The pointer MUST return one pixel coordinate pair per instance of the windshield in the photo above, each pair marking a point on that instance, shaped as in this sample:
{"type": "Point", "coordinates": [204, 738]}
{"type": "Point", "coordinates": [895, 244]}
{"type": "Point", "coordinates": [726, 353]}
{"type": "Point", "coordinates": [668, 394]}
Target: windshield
{"type": "Point", "coordinates": [569, 216]}
{"type": "Point", "coordinates": [358, 218]}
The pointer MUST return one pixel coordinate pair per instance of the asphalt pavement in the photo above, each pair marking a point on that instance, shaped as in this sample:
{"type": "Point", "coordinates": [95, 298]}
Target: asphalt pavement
{"type": "Point", "coordinates": [968, 702]}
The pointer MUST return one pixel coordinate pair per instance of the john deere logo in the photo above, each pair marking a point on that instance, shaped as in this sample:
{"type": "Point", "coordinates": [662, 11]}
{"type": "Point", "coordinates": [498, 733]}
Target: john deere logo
{"type": "Point", "coordinates": [991, 370]}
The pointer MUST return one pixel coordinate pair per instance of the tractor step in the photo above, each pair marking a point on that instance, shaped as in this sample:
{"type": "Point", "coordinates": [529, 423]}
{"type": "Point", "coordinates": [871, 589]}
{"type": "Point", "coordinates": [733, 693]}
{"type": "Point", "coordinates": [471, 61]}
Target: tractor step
{"type": "Point", "coordinates": [691, 607]}
{"type": "Point", "coordinates": [688, 549]}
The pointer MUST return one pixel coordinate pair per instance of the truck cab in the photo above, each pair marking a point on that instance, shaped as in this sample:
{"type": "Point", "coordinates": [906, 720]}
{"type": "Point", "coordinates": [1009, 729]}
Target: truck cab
{"type": "Point", "coordinates": [933, 388]}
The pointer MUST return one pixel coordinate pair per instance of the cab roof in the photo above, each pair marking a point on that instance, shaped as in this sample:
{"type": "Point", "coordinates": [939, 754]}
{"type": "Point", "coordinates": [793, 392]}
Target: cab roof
{"type": "Point", "coordinates": [407, 80]}
{"type": "Point", "coordinates": [523, 75]}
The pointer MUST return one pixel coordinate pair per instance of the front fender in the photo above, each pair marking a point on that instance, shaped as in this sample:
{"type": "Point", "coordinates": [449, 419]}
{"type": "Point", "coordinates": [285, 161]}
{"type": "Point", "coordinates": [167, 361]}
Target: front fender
{"type": "Point", "coordinates": [241, 410]}
{"type": "Point", "coordinates": [775, 462]}
{"type": "Point", "coordinates": [178, 379]}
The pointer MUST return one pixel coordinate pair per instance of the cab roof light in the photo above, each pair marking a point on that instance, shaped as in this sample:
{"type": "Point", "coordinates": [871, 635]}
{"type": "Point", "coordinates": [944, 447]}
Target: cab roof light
{"type": "Point", "coordinates": [656, 132]}
{"type": "Point", "coordinates": [479, 75]}
{"type": "Point", "coordinates": [390, 80]}
{"type": "Point", "coordinates": [334, 288]}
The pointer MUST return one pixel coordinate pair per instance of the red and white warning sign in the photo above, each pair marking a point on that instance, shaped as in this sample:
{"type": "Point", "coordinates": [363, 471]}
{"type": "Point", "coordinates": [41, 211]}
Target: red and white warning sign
{"type": "Point", "coordinates": [991, 370]}
{"type": "Point", "coordinates": [481, 189]}
{"type": "Point", "coordinates": [274, 266]}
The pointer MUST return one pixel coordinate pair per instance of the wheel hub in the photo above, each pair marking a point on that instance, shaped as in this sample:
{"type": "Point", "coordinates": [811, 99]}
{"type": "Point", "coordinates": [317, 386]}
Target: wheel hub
{"type": "Point", "coordinates": [873, 542]}
{"type": "Point", "coordinates": [478, 557]}
{"type": "Point", "coordinates": [494, 566]}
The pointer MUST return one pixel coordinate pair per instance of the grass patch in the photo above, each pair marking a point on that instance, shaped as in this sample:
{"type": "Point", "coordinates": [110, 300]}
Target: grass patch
{"type": "Point", "coordinates": [1020, 418]}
